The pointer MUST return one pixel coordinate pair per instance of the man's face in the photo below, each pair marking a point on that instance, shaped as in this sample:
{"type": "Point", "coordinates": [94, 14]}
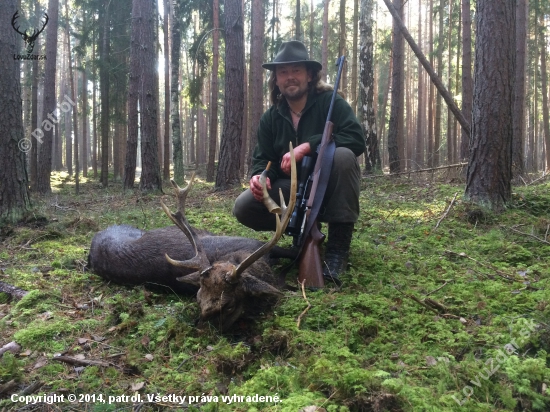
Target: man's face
{"type": "Point", "coordinates": [292, 80]}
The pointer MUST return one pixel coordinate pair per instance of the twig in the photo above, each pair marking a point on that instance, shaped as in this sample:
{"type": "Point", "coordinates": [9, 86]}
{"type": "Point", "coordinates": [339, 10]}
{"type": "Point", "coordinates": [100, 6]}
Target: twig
{"type": "Point", "coordinates": [530, 235]}
{"type": "Point", "coordinates": [497, 272]}
{"type": "Point", "coordinates": [420, 302]}
{"type": "Point", "coordinates": [439, 288]}
{"type": "Point", "coordinates": [80, 362]}
{"type": "Point", "coordinates": [417, 171]}
{"type": "Point", "coordinates": [308, 304]}
{"type": "Point", "coordinates": [544, 176]}
{"type": "Point", "coordinates": [446, 212]}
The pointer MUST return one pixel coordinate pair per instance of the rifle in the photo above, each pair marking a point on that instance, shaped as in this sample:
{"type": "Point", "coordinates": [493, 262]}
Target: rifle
{"type": "Point", "coordinates": [303, 225]}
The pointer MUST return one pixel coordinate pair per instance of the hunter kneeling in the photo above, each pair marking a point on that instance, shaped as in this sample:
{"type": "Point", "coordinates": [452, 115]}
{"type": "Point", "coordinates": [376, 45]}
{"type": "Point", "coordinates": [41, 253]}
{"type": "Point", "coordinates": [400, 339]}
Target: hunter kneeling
{"type": "Point", "coordinates": [299, 111]}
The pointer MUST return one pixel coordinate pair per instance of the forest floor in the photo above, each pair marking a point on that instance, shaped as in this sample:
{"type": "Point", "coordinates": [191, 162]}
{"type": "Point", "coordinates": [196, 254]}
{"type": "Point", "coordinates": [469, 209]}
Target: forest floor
{"type": "Point", "coordinates": [445, 308]}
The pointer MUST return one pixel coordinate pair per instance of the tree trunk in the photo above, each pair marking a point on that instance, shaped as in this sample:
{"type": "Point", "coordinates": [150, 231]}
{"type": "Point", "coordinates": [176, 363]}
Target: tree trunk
{"type": "Point", "coordinates": [104, 84]}
{"type": "Point", "coordinates": [467, 82]}
{"type": "Point", "coordinates": [544, 90]}
{"type": "Point", "coordinates": [395, 126]}
{"type": "Point", "coordinates": [438, 108]}
{"type": "Point", "coordinates": [147, 52]}
{"type": "Point", "coordinates": [256, 74]}
{"type": "Point", "coordinates": [490, 165]}
{"type": "Point", "coordinates": [45, 151]}
{"type": "Point", "coordinates": [522, 14]}
{"type": "Point", "coordinates": [355, 54]}
{"type": "Point", "coordinates": [166, 161]}
{"type": "Point", "coordinates": [14, 196]}
{"type": "Point", "coordinates": [94, 105]}
{"type": "Point", "coordinates": [419, 141]}
{"type": "Point", "coordinates": [177, 149]}
{"type": "Point", "coordinates": [228, 169]}
{"type": "Point", "coordinates": [366, 57]}
{"type": "Point", "coordinates": [74, 99]}
{"type": "Point", "coordinates": [34, 113]}
{"type": "Point", "coordinates": [213, 132]}
{"type": "Point", "coordinates": [342, 45]}
{"type": "Point", "coordinates": [324, 42]}
{"type": "Point", "coordinates": [297, 21]}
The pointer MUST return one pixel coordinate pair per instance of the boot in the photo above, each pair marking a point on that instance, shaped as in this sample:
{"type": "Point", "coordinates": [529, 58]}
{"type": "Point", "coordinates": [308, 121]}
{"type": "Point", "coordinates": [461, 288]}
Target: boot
{"type": "Point", "coordinates": [337, 251]}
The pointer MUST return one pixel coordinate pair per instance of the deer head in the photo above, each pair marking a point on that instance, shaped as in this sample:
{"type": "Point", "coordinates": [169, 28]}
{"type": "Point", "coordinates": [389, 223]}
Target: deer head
{"type": "Point", "coordinates": [225, 287]}
{"type": "Point", "coordinates": [29, 39]}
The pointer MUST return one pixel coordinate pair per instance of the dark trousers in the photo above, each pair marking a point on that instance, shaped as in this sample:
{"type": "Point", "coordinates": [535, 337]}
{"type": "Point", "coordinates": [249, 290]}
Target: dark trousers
{"type": "Point", "coordinates": [340, 205]}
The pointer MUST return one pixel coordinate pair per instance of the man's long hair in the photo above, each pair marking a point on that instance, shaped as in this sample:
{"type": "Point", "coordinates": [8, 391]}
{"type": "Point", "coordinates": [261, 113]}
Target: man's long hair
{"type": "Point", "coordinates": [316, 84]}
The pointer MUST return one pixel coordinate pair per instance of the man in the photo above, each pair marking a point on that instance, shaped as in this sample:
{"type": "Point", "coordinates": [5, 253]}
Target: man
{"type": "Point", "coordinates": [300, 107]}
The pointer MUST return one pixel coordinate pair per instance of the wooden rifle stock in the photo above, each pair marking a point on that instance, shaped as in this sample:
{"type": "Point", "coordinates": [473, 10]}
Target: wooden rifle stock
{"type": "Point", "coordinates": [310, 268]}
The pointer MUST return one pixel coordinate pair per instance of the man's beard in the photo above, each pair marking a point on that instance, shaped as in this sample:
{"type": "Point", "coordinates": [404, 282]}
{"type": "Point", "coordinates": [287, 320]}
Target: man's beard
{"type": "Point", "coordinates": [296, 94]}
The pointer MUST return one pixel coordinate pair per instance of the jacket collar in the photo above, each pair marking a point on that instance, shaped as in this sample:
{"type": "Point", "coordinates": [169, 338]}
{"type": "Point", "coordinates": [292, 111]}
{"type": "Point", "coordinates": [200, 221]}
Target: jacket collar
{"type": "Point", "coordinates": [284, 109]}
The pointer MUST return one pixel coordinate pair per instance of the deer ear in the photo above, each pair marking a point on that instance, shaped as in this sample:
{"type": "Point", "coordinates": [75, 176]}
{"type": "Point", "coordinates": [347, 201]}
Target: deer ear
{"type": "Point", "coordinates": [194, 279]}
{"type": "Point", "coordinates": [257, 287]}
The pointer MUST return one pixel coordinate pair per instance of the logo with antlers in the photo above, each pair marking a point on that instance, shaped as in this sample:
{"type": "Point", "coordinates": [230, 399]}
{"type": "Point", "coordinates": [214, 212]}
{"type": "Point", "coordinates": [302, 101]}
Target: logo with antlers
{"type": "Point", "coordinates": [28, 39]}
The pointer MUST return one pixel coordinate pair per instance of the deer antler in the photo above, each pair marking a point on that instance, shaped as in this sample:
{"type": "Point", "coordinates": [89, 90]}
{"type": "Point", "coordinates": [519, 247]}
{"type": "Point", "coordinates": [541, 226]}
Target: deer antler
{"type": "Point", "coordinates": [282, 222]}
{"type": "Point", "coordinates": [199, 261]}
{"type": "Point", "coordinates": [34, 36]}
{"type": "Point", "coordinates": [13, 19]}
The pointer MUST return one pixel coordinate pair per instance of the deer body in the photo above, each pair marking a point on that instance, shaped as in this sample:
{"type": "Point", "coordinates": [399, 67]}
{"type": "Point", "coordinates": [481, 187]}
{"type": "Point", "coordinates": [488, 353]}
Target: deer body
{"type": "Point", "coordinates": [232, 274]}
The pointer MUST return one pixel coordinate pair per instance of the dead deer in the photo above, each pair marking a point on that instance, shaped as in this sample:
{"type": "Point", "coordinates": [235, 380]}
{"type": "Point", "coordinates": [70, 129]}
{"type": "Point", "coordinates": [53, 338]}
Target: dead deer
{"type": "Point", "coordinates": [233, 274]}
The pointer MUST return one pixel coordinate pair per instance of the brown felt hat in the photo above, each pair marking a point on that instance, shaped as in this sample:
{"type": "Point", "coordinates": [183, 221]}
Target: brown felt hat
{"type": "Point", "coordinates": [293, 51]}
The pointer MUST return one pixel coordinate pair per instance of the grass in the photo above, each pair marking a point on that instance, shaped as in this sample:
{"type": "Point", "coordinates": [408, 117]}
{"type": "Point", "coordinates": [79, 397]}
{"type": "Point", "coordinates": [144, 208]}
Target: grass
{"type": "Point", "coordinates": [428, 318]}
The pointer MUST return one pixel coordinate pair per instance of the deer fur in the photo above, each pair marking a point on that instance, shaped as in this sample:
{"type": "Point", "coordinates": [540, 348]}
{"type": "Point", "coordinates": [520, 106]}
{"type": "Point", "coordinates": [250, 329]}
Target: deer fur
{"type": "Point", "coordinates": [233, 275]}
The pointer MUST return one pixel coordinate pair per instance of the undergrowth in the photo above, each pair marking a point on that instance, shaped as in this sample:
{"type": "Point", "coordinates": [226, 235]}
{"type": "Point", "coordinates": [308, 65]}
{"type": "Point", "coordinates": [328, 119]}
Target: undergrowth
{"type": "Point", "coordinates": [444, 318]}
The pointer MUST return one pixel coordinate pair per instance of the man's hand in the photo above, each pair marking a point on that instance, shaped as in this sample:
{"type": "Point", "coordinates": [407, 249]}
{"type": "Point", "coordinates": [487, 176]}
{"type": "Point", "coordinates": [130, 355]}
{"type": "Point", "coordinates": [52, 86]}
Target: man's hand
{"type": "Point", "coordinates": [299, 152]}
{"type": "Point", "coordinates": [256, 187]}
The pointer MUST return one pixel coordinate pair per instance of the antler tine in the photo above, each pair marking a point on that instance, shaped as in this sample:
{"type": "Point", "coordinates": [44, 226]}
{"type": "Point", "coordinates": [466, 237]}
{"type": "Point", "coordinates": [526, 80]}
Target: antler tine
{"type": "Point", "coordinates": [200, 260]}
{"type": "Point", "coordinates": [181, 193]}
{"type": "Point", "coordinates": [282, 222]}
{"type": "Point", "coordinates": [44, 25]}
{"type": "Point", "coordinates": [13, 19]}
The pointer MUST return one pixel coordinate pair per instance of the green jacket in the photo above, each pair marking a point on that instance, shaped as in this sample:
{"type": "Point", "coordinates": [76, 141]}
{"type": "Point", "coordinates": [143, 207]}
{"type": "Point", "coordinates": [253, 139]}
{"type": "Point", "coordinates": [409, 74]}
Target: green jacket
{"type": "Point", "coordinates": [276, 131]}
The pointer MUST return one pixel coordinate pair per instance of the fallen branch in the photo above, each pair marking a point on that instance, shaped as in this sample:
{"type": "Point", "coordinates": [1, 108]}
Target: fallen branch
{"type": "Point", "coordinates": [439, 288]}
{"type": "Point", "coordinates": [80, 362]}
{"type": "Point", "coordinates": [12, 347]}
{"type": "Point", "coordinates": [308, 304]}
{"type": "Point", "coordinates": [529, 234]}
{"type": "Point", "coordinates": [13, 291]}
{"type": "Point", "coordinates": [446, 212]}
{"type": "Point", "coordinates": [497, 272]}
{"type": "Point", "coordinates": [431, 169]}
{"type": "Point", "coordinates": [544, 176]}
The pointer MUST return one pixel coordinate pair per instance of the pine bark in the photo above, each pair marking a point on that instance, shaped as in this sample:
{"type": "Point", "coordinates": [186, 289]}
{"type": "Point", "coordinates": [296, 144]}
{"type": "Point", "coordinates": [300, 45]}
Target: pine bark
{"type": "Point", "coordinates": [522, 13]}
{"type": "Point", "coordinates": [228, 169]}
{"type": "Point", "coordinates": [14, 196]}
{"type": "Point", "coordinates": [45, 151]}
{"type": "Point", "coordinates": [467, 81]}
{"type": "Point", "coordinates": [256, 74]}
{"type": "Point", "coordinates": [104, 84]}
{"type": "Point", "coordinates": [366, 58]}
{"type": "Point", "coordinates": [544, 89]}
{"type": "Point", "coordinates": [490, 164]}
{"type": "Point", "coordinates": [177, 149]}
{"type": "Point", "coordinates": [395, 127]}
{"type": "Point", "coordinates": [166, 159]}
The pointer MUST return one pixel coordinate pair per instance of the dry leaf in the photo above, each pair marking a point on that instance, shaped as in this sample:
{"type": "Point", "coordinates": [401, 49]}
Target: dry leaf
{"type": "Point", "coordinates": [82, 341]}
{"type": "Point", "coordinates": [149, 357]}
{"type": "Point", "coordinates": [79, 356]}
{"type": "Point", "coordinates": [313, 409]}
{"type": "Point", "coordinates": [137, 386]}
{"type": "Point", "coordinates": [145, 340]}
{"type": "Point", "coordinates": [12, 347]}
{"type": "Point", "coordinates": [41, 362]}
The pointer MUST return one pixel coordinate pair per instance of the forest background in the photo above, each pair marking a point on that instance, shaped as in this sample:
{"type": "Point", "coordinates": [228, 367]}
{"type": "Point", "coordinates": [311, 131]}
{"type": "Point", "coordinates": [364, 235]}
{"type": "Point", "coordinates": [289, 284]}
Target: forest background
{"type": "Point", "coordinates": [160, 93]}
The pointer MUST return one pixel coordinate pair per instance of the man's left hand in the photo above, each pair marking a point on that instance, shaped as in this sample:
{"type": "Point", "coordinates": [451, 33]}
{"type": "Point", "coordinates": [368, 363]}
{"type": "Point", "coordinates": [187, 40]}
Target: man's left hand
{"type": "Point", "coordinates": [299, 152]}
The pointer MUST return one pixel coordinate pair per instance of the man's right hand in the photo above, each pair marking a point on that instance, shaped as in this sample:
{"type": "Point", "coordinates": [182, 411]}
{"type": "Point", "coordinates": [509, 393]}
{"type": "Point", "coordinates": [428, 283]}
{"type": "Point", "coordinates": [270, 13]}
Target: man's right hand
{"type": "Point", "coordinates": [256, 187]}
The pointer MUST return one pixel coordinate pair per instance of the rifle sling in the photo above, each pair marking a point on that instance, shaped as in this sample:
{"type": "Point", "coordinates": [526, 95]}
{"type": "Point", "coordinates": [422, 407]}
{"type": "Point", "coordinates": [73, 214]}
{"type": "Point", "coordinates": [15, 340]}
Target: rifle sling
{"type": "Point", "coordinates": [324, 175]}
